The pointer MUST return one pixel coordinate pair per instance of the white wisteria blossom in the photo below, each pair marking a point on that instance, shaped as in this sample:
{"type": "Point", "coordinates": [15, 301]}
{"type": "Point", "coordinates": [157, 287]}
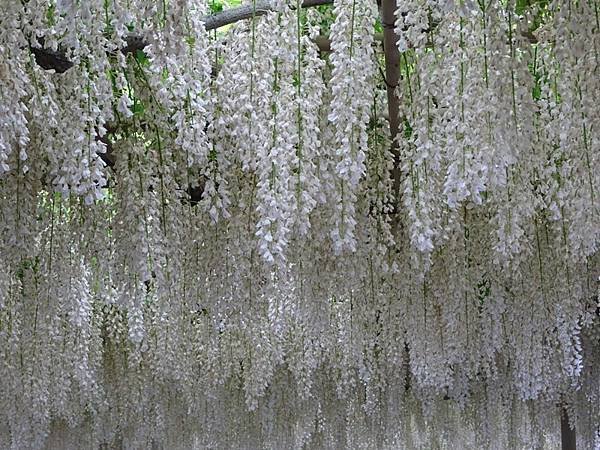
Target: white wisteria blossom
{"type": "Point", "coordinates": [351, 84]}
{"type": "Point", "coordinates": [258, 236]}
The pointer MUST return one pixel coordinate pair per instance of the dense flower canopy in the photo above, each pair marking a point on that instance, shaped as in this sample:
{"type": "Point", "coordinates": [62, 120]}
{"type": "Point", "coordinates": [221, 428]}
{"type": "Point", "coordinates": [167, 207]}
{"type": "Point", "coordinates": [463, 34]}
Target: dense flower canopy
{"type": "Point", "coordinates": [202, 246]}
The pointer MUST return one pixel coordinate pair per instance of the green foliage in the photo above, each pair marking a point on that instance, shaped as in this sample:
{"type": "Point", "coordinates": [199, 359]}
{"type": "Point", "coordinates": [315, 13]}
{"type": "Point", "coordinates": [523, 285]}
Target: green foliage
{"type": "Point", "coordinates": [484, 289]}
{"type": "Point", "coordinates": [142, 58]}
{"type": "Point", "coordinates": [521, 6]}
{"type": "Point", "coordinates": [326, 18]}
{"type": "Point", "coordinates": [217, 6]}
{"type": "Point", "coordinates": [28, 264]}
{"type": "Point", "coordinates": [138, 108]}
{"type": "Point", "coordinates": [539, 8]}
{"type": "Point", "coordinates": [51, 14]}
{"type": "Point", "coordinates": [408, 131]}
{"type": "Point", "coordinates": [378, 26]}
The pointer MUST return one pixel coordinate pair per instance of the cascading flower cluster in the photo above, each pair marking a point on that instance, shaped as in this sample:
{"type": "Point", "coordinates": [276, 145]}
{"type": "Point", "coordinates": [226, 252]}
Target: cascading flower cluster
{"type": "Point", "coordinates": [353, 69]}
{"type": "Point", "coordinates": [200, 245]}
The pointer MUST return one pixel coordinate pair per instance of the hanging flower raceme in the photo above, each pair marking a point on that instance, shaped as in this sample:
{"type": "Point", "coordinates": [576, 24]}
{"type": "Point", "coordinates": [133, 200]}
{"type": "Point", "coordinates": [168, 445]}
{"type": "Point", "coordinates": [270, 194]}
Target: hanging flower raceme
{"type": "Point", "coordinates": [182, 50]}
{"type": "Point", "coordinates": [15, 88]}
{"type": "Point", "coordinates": [352, 92]}
{"type": "Point", "coordinates": [274, 164]}
{"type": "Point", "coordinates": [308, 77]}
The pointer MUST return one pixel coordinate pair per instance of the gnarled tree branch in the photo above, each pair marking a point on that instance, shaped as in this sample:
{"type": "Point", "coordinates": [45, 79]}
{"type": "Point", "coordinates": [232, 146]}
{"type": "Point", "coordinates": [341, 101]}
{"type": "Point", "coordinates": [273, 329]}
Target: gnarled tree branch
{"type": "Point", "coordinates": [260, 8]}
{"type": "Point", "coordinates": [56, 60]}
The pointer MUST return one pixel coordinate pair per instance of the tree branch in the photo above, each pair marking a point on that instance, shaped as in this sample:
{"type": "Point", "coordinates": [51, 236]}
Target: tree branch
{"type": "Point", "coordinates": [57, 61]}
{"type": "Point", "coordinates": [244, 12]}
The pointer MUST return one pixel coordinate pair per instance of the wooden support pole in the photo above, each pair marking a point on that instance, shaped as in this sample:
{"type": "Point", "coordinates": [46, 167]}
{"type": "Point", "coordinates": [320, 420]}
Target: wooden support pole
{"type": "Point", "coordinates": [567, 434]}
{"type": "Point", "coordinates": [392, 77]}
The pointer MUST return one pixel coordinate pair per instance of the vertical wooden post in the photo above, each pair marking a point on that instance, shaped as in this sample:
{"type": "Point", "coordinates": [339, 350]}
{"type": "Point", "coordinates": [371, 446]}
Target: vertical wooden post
{"type": "Point", "coordinates": [567, 434]}
{"type": "Point", "coordinates": [392, 76]}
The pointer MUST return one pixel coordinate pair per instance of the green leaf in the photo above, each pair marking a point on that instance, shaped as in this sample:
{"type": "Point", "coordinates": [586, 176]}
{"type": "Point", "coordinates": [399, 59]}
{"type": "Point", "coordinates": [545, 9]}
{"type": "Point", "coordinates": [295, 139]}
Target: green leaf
{"type": "Point", "coordinates": [521, 6]}
{"type": "Point", "coordinates": [216, 7]}
{"type": "Point", "coordinates": [408, 131]}
{"type": "Point", "coordinates": [51, 14]}
{"type": "Point", "coordinates": [138, 108]}
{"type": "Point", "coordinates": [378, 26]}
{"type": "Point", "coordinates": [142, 58]}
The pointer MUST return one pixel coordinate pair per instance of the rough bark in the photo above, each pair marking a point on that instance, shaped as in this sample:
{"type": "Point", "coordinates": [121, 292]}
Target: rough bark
{"type": "Point", "coordinates": [392, 76]}
{"type": "Point", "coordinates": [260, 8]}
